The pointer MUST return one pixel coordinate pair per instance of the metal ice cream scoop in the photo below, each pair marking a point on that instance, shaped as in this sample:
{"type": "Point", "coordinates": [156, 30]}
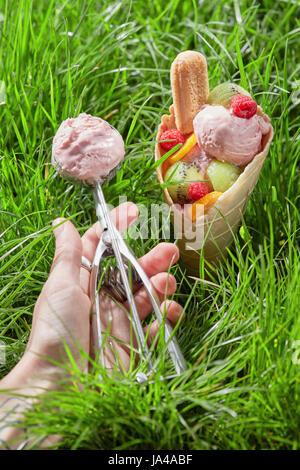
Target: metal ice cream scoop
{"type": "Point", "coordinates": [115, 281]}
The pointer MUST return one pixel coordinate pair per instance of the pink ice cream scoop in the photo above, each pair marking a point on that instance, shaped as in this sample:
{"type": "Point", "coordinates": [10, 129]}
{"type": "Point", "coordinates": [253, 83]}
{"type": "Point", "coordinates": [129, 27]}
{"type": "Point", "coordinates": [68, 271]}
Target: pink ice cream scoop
{"type": "Point", "coordinates": [227, 137]}
{"type": "Point", "coordinates": [87, 148]}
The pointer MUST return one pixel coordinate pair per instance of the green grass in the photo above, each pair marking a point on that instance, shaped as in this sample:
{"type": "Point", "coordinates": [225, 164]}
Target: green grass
{"type": "Point", "coordinates": [112, 59]}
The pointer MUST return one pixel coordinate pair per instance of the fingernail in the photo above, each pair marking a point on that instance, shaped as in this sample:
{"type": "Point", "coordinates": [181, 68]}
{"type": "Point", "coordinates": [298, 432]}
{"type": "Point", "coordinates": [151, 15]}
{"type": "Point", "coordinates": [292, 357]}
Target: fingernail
{"type": "Point", "coordinates": [58, 230]}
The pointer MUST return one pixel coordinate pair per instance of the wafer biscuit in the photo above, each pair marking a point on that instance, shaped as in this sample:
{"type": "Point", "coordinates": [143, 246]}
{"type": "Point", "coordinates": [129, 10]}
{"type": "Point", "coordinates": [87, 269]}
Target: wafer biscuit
{"type": "Point", "coordinates": [190, 88]}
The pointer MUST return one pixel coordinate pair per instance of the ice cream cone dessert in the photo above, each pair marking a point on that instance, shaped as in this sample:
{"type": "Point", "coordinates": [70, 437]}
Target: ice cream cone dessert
{"type": "Point", "coordinates": [220, 140]}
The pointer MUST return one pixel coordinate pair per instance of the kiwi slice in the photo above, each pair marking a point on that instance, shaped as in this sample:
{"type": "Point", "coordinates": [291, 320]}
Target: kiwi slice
{"type": "Point", "coordinates": [222, 175]}
{"type": "Point", "coordinates": [223, 94]}
{"type": "Point", "coordinates": [178, 178]}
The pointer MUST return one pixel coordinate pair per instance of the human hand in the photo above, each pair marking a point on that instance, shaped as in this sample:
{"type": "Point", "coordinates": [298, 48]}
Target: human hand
{"type": "Point", "coordinates": [61, 318]}
{"type": "Point", "coordinates": [62, 313]}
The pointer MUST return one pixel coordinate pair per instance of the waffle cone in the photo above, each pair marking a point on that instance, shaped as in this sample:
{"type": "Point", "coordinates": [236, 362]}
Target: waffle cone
{"type": "Point", "coordinates": [215, 230]}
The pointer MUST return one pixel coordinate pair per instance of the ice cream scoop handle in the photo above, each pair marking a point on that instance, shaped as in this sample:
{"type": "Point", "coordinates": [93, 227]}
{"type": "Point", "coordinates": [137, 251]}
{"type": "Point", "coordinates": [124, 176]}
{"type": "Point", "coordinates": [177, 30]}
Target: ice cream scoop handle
{"type": "Point", "coordinates": [111, 235]}
{"type": "Point", "coordinates": [94, 296]}
{"type": "Point", "coordinates": [121, 250]}
{"type": "Point", "coordinates": [171, 341]}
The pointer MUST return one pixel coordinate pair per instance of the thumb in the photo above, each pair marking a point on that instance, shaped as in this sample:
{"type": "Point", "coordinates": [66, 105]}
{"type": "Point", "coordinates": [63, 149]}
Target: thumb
{"type": "Point", "coordinates": [68, 251]}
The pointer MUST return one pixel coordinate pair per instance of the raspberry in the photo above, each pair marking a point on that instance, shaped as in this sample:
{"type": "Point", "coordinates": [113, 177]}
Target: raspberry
{"type": "Point", "coordinates": [243, 106]}
{"type": "Point", "coordinates": [176, 136]}
{"type": "Point", "coordinates": [197, 191]}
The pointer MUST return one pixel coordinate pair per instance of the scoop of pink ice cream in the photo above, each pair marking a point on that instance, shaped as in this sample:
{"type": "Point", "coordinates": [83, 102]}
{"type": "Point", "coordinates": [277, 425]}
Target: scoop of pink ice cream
{"type": "Point", "coordinates": [87, 148]}
{"type": "Point", "coordinates": [198, 156]}
{"type": "Point", "coordinates": [227, 137]}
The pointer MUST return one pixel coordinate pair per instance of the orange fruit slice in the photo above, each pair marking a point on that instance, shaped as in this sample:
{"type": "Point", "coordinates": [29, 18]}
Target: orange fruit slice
{"type": "Point", "coordinates": [207, 201]}
{"type": "Point", "coordinates": [188, 145]}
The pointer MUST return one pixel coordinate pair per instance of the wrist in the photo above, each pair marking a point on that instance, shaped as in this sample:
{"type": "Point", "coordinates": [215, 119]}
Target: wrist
{"type": "Point", "coordinates": [31, 376]}
{"type": "Point", "coordinates": [19, 390]}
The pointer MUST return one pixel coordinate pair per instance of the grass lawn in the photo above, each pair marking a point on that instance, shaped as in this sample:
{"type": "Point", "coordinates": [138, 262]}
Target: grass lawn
{"type": "Point", "coordinates": [241, 336]}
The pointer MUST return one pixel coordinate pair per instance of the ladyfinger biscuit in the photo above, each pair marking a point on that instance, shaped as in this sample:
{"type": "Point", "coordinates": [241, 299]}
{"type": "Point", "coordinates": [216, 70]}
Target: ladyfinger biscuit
{"type": "Point", "coordinates": [190, 88]}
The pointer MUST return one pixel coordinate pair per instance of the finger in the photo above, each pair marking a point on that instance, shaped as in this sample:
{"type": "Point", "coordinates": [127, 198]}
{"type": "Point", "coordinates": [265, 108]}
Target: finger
{"type": "Point", "coordinates": [174, 314]}
{"type": "Point", "coordinates": [68, 251]}
{"type": "Point", "coordinates": [157, 260]}
{"type": "Point", "coordinates": [164, 285]}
